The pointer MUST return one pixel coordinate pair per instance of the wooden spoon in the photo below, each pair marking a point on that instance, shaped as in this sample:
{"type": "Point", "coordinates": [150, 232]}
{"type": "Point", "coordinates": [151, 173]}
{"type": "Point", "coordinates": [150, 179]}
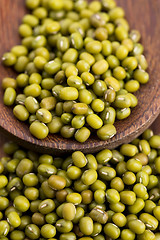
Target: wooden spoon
{"type": "Point", "coordinates": [3, 138]}
{"type": "Point", "coordinates": [143, 16]}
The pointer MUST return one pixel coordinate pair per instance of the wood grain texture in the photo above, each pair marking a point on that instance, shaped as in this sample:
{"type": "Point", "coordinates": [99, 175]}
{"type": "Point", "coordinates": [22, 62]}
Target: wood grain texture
{"type": "Point", "coordinates": [3, 139]}
{"type": "Point", "coordinates": [142, 15]}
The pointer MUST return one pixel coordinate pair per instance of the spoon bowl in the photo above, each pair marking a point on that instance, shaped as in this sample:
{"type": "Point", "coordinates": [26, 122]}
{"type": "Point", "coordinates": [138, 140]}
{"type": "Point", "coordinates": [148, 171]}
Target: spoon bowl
{"type": "Point", "coordinates": [141, 15]}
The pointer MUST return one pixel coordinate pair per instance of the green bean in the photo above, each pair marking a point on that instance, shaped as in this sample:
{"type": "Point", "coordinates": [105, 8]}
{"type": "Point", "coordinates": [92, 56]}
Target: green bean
{"type": "Point", "coordinates": [112, 230]}
{"type": "Point", "coordinates": [150, 221]}
{"type": "Point", "coordinates": [21, 203]}
{"type": "Point", "coordinates": [86, 225]}
{"type": "Point", "coordinates": [9, 96]}
{"type": "Point", "coordinates": [107, 131]}
{"type": "Point", "coordinates": [9, 59]}
{"type": "Point", "coordinates": [9, 82]}
{"type": "Point", "coordinates": [21, 112]}
{"type": "Point", "coordinates": [39, 130]}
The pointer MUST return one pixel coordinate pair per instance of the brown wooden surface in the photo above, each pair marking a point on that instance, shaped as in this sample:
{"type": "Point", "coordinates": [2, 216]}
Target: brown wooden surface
{"type": "Point", "coordinates": [142, 15]}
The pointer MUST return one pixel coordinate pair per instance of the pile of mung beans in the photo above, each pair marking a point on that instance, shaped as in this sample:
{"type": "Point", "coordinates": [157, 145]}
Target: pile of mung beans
{"type": "Point", "coordinates": [78, 66]}
{"type": "Point", "coordinates": [114, 194]}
